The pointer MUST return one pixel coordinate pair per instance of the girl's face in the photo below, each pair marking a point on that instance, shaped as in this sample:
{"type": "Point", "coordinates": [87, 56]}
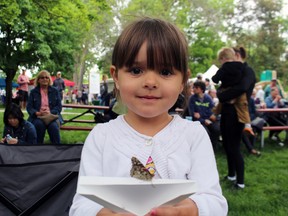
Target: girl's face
{"type": "Point", "coordinates": [13, 122]}
{"type": "Point", "coordinates": [147, 93]}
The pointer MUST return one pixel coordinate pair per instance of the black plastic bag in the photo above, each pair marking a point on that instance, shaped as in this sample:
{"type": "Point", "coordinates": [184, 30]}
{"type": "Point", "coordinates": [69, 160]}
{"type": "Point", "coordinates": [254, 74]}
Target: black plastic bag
{"type": "Point", "coordinates": [38, 180]}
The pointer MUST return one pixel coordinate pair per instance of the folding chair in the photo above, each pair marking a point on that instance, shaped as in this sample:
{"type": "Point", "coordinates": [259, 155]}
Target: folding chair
{"type": "Point", "coordinates": [38, 180]}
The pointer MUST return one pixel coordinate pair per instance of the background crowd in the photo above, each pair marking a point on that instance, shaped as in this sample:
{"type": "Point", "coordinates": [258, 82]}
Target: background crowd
{"type": "Point", "coordinates": [200, 101]}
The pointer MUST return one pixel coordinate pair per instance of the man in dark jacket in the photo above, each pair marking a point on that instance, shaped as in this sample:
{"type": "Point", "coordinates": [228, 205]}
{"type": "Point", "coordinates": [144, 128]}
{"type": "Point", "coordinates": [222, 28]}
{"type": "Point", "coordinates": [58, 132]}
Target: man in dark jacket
{"type": "Point", "coordinates": [59, 84]}
{"type": "Point", "coordinates": [200, 108]}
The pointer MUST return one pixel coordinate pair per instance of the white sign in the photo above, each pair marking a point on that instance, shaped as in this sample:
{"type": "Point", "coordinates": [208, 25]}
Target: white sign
{"type": "Point", "coordinates": [94, 83]}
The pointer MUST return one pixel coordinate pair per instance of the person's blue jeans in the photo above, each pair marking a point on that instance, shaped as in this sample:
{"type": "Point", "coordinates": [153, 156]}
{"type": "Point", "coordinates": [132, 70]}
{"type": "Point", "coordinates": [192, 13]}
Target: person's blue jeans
{"type": "Point", "coordinates": [53, 131]}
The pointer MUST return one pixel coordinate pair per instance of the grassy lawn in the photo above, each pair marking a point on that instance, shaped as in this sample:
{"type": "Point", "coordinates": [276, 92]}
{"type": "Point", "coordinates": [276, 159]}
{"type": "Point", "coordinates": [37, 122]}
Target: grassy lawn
{"type": "Point", "coordinates": [266, 177]}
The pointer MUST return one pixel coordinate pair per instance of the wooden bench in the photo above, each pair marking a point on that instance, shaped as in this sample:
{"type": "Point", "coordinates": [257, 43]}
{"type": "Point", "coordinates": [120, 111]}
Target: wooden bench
{"type": "Point", "coordinates": [81, 128]}
{"type": "Point", "coordinates": [80, 121]}
{"type": "Point", "coordinates": [271, 128]}
{"type": "Point", "coordinates": [83, 106]}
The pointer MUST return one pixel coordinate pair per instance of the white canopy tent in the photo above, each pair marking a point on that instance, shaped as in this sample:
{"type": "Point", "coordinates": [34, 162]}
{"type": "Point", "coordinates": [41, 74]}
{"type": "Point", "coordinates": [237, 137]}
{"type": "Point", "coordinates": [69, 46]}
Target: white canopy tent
{"type": "Point", "coordinates": [209, 73]}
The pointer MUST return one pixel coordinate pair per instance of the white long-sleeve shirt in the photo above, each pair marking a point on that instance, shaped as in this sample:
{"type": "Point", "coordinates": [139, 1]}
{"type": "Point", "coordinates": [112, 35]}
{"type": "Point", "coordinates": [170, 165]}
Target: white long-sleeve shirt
{"type": "Point", "coordinates": [181, 150]}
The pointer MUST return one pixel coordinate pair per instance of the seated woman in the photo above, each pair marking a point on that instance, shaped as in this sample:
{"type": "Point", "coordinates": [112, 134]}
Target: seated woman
{"type": "Point", "coordinates": [274, 101]}
{"type": "Point", "coordinates": [16, 129]}
{"type": "Point", "coordinates": [44, 107]}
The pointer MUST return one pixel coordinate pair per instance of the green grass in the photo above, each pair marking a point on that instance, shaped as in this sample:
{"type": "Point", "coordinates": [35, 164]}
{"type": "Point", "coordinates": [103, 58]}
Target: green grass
{"type": "Point", "coordinates": [266, 177]}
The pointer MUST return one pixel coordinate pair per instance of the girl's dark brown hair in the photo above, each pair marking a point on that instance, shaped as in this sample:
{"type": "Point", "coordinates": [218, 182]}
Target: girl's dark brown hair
{"type": "Point", "coordinates": [13, 111]}
{"type": "Point", "coordinates": [166, 46]}
{"type": "Point", "coordinates": [241, 51]}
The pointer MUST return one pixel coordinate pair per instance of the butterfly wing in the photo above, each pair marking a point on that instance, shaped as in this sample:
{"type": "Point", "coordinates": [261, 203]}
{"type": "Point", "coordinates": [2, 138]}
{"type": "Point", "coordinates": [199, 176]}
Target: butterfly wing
{"type": "Point", "coordinates": [139, 171]}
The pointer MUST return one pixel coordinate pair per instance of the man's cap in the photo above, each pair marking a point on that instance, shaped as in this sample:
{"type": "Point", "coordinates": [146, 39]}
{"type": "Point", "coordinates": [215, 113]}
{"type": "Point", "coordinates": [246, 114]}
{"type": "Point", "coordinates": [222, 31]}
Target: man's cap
{"type": "Point", "coordinates": [273, 79]}
{"type": "Point", "coordinates": [58, 72]}
{"type": "Point", "coordinates": [23, 69]}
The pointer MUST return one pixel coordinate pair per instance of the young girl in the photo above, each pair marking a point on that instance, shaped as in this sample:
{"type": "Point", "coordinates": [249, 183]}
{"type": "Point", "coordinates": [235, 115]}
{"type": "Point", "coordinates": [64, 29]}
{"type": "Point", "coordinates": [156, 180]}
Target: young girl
{"type": "Point", "coordinates": [16, 129]}
{"type": "Point", "coordinates": [149, 67]}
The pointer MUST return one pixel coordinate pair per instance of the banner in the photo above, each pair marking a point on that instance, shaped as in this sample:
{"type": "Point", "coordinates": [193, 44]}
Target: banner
{"type": "Point", "coordinates": [94, 83]}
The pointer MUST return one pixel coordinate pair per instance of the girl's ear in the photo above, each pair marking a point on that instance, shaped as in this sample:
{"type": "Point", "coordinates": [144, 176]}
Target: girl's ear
{"type": "Point", "coordinates": [114, 75]}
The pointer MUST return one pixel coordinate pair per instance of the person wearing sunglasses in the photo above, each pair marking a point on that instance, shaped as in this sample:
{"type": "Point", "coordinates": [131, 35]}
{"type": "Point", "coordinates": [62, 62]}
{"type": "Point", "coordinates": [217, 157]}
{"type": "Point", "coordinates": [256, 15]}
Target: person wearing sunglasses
{"type": "Point", "coordinates": [44, 107]}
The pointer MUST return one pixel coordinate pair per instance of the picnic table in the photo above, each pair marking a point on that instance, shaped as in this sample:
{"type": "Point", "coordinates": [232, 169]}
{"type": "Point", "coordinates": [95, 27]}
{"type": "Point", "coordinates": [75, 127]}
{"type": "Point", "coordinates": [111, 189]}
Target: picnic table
{"type": "Point", "coordinates": [281, 126]}
{"type": "Point", "coordinates": [92, 109]}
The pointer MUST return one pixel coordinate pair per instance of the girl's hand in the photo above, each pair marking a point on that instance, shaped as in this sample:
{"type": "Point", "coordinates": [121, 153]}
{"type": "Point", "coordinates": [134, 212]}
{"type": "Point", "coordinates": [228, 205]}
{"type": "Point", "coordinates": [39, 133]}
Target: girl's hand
{"type": "Point", "coordinates": [3, 140]}
{"type": "Point", "coordinates": [12, 141]}
{"type": "Point", "coordinates": [108, 212]}
{"type": "Point", "coordinates": [186, 207]}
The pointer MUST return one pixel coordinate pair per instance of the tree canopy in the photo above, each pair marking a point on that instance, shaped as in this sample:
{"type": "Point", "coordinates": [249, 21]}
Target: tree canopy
{"type": "Point", "coordinates": [258, 26]}
{"type": "Point", "coordinates": [73, 36]}
{"type": "Point", "coordinates": [44, 34]}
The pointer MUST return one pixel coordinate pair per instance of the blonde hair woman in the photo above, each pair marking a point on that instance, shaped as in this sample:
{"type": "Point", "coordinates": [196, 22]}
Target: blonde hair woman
{"type": "Point", "coordinates": [44, 107]}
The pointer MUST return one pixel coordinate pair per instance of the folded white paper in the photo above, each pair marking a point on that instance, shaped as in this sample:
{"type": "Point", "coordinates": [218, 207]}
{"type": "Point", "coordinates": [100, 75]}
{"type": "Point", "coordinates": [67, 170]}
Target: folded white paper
{"type": "Point", "coordinates": [133, 195]}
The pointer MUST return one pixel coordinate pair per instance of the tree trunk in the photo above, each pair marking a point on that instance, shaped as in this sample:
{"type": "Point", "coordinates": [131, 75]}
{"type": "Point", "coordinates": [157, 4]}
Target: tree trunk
{"type": "Point", "coordinates": [10, 73]}
{"type": "Point", "coordinates": [80, 68]}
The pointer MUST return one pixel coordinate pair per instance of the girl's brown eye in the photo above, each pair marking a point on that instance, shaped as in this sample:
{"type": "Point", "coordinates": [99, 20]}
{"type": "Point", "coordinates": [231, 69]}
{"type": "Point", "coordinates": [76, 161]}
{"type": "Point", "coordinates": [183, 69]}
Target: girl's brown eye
{"type": "Point", "coordinates": [166, 72]}
{"type": "Point", "coordinates": [135, 71]}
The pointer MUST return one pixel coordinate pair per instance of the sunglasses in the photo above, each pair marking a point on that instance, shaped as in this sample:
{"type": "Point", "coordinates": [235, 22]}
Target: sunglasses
{"type": "Point", "coordinates": [44, 77]}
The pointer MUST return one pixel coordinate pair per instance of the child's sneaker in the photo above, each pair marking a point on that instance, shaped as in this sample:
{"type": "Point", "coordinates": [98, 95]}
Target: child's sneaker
{"type": "Point", "coordinates": [249, 130]}
{"type": "Point", "coordinates": [230, 178]}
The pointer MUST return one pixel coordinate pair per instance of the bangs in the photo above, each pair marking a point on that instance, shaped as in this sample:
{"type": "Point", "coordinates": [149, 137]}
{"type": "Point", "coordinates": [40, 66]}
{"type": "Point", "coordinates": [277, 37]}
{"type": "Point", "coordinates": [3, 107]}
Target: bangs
{"type": "Point", "coordinates": [166, 46]}
{"type": "Point", "coordinates": [13, 111]}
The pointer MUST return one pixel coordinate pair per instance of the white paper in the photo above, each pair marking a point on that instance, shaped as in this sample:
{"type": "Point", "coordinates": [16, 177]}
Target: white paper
{"type": "Point", "coordinates": [133, 195]}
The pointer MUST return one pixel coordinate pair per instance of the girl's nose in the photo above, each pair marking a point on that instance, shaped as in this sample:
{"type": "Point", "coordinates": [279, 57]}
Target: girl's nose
{"type": "Point", "coordinates": [150, 80]}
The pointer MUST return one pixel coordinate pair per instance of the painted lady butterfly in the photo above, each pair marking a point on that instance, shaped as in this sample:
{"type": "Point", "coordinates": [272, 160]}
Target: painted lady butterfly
{"type": "Point", "coordinates": [139, 171]}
